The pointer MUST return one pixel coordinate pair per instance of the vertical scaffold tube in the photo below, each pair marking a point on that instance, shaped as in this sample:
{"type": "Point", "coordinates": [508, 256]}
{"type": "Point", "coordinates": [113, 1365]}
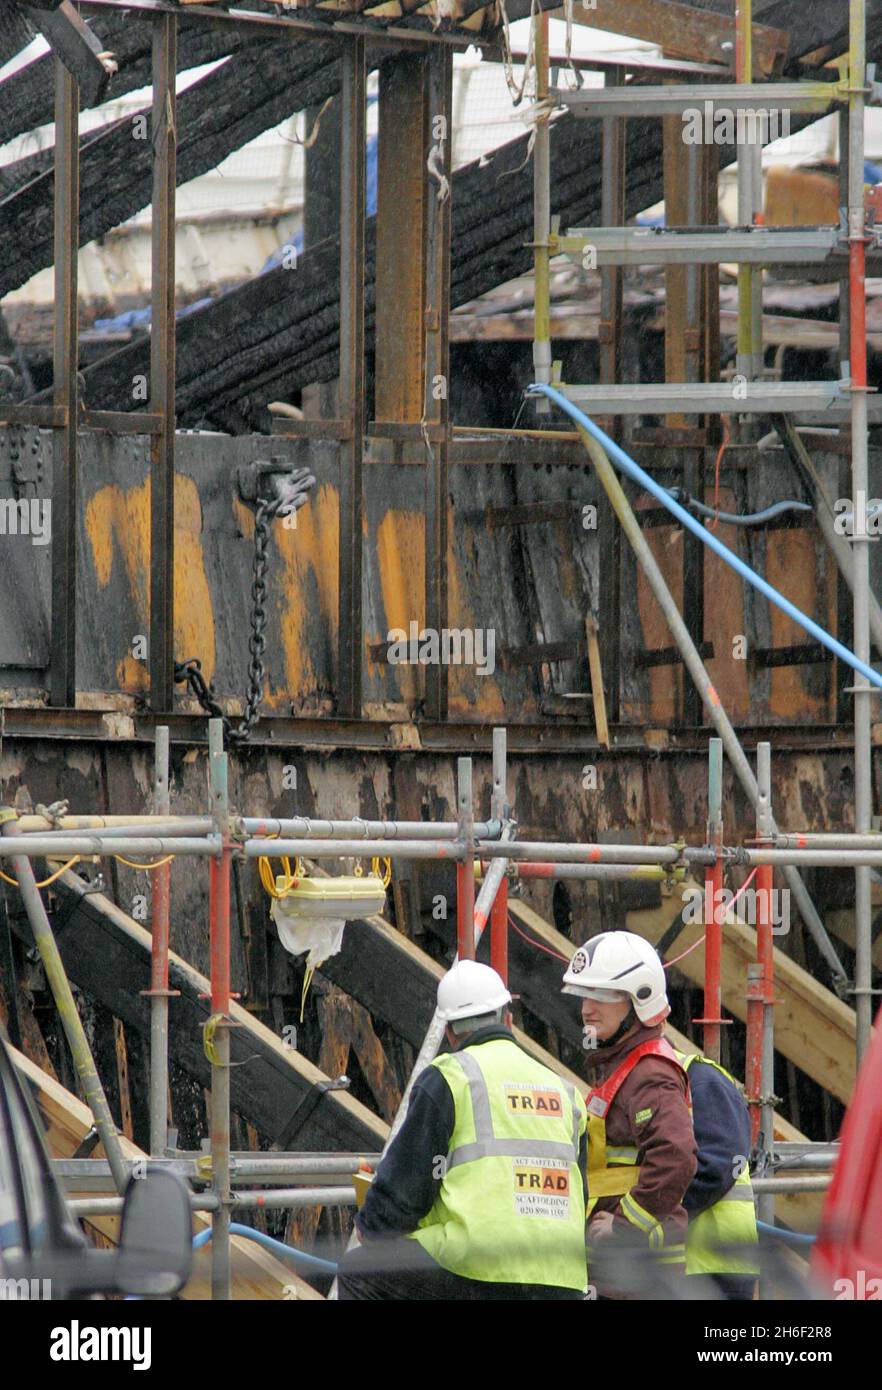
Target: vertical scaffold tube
{"type": "Point", "coordinates": [217, 1040]}
{"type": "Point", "coordinates": [863, 751]}
{"type": "Point", "coordinates": [713, 915]}
{"type": "Point", "coordinates": [465, 871]}
{"type": "Point", "coordinates": [59, 984]}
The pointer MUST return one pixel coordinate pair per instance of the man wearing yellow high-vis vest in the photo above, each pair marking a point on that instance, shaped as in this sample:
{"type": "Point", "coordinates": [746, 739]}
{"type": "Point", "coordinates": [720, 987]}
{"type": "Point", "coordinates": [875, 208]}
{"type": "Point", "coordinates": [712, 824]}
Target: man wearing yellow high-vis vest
{"type": "Point", "coordinates": [641, 1144]}
{"type": "Point", "coordinates": [481, 1193]}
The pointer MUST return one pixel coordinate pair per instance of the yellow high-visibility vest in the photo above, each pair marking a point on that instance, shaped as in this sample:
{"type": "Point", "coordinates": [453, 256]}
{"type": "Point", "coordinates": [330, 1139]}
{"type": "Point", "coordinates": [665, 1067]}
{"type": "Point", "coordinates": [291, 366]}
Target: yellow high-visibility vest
{"type": "Point", "coordinates": [729, 1222]}
{"type": "Point", "coordinates": [511, 1205]}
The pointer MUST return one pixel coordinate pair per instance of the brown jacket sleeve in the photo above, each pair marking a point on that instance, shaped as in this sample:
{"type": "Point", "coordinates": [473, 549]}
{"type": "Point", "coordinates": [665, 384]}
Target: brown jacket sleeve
{"type": "Point", "coordinates": [653, 1113]}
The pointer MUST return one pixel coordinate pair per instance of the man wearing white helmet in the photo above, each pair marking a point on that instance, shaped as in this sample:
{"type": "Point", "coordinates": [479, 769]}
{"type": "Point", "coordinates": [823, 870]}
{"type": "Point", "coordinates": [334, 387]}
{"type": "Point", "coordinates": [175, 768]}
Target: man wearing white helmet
{"type": "Point", "coordinates": [481, 1193]}
{"type": "Point", "coordinates": [641, 1145]}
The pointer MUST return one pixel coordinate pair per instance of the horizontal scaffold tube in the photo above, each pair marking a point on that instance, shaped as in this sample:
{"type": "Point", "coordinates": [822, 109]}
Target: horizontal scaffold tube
{"type": "Point", "coordinates": [117, 825]}
{"type": "Point", "coordinates": [829, 840]}
{"type": "Point", "coordinates": [303, 827]}
{"type": "Point", "coordinates": [88, 845]}
{"type": "Point", "coordinates": [355, 849]}
{"type": "Point", "coordinates": [283, 1198]}
{"type": "Point", "coordinates": [653, 873]}
{"type": "Point", "coordinates": [812, 858]}
{"type": "Point", "coordinates": [552, 852]}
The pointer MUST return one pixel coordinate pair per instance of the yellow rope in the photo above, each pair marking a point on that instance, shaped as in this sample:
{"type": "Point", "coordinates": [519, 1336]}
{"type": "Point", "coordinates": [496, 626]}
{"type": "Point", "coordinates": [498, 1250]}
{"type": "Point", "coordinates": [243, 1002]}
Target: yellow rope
{"type": "Point", "coordinates": [268, 878]}
{"type": "Point", "coordinates": [46, 881]}
{"type": "Point", "coordinates": [157, 863]}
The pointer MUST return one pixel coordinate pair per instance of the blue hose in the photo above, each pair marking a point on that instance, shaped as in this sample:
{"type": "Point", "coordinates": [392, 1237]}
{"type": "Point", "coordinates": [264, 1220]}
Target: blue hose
{"type": "Point", "coordinates": [788, 1237]}
{"type": "Point", "coordinates": [637, 475]}
{"type": "Point", "coordinates": [278, 1247]}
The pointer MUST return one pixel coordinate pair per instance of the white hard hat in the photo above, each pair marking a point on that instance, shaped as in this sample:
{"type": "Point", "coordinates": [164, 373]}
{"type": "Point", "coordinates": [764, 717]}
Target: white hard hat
{"type": "Point", "coordinates": [625, 962]}
{"type": "Point", "coordinates": [470, 989]}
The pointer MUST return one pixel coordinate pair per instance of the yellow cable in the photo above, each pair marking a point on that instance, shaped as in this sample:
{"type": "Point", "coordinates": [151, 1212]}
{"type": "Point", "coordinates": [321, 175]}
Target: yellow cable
{"type": "Point", "coordinates": [386, 876]}
{"type": "Point", "coordinates": [46, 881]}
{"type": "Point", "coordinates": [307, 981]}
{"type": "Point", "coordinates": [157, 864]}
{"type": "Point", "coordinates": [268, 878]}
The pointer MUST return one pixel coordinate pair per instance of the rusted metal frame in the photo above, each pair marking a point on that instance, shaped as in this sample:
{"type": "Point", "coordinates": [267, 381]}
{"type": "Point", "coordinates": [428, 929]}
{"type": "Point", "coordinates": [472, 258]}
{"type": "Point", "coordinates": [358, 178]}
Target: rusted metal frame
{"type": "Point", "coordinates": [42, 417]}
{"type": "Point", "coordinates": [610, 338]}
{"type": "Point", "coordinates": [399, 326]}
{"type": "Point", "coordinates": [130, 729]}
{"type": "Point", "coordinates": [529, 514]}
{"type": "Point", "coordinates": [438, 222]}
{"type": "Point", "coordinates": [62, 660]}
{"type": "Point", "coordinates": [671, 656]}
{"type": "Point", "coordinates": [302, 28]}
{"type": "Point", "coordinates": [122, 421]}
{"type": "Point", "coordinates": [800, 654]}
{"type": "Point", "coordinates": [540, 653]}
{"type": "Point", "coordinates": [686, 31]}
{"type": "Point", "coordinates": [353, 139]}
{"type": "Point", "coordinates": [683, 362]}
{"type": "Point", "coordinates": [162, 364]}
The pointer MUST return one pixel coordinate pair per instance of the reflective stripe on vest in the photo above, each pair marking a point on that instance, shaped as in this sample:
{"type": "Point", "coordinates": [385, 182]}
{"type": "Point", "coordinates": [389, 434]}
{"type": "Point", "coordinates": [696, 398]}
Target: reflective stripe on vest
{"type": "Point", "coordinates": [510, 1208]}
{"type": "Point", "coordinates": [613, 1169]}
{"type": "Point", "coordinates": [730, 1222]}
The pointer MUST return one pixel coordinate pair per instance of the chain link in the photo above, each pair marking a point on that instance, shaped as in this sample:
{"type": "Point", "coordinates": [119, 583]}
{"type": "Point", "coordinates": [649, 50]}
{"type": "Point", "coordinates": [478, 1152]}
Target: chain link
{"type": "Point", "coordinates": [291, 492]}
{"type": "Point", "coordinates": [266, 511]}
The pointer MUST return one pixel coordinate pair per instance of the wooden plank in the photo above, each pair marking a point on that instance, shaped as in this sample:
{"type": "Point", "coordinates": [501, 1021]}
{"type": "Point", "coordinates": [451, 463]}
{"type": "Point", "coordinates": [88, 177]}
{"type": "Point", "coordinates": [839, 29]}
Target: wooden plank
{"type": "Point", "coordinates": [400, 291]}
{"type": "Point", "coordinates": [122, 1076]}
{"type": "Point", "coordinates": [256, 1273]}
{"type": "Point", "coordinates": [598, 693]}
{"type": "Point", "coordinates": [106, 953]}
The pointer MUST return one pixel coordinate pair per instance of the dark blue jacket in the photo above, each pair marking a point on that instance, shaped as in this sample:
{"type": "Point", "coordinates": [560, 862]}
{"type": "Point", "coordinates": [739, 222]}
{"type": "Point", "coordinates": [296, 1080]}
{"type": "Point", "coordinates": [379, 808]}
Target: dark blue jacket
{"type": "Point", "coordinates": [722, 1136]}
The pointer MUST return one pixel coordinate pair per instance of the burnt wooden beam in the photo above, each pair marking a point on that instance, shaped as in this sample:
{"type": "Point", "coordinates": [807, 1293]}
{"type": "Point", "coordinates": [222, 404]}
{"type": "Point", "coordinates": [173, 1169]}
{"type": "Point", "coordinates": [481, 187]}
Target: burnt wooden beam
{"type": "Point", "coordinates": [79, 49]}
{"type": "Point", "coordinates": [255, 90]}
{"type": "Point", "coordinates": [27, 95]}
{"type": "Point", "coordinates": [107, 954]}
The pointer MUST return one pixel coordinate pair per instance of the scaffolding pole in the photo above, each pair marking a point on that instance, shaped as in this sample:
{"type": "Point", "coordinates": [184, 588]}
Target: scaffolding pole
{"type": "Point", "coordinates": [217, 1034]}
{"type": "Point", "coordinates": [863, 746]}
{"type": "Point", "coordinates": [695, 666]}
{"type": "Point", "coordinates": [59, 984]}
{"type": "Point", "coordinates": [713, 897]}
{"type": "Point", "coordinates": [159, 992]}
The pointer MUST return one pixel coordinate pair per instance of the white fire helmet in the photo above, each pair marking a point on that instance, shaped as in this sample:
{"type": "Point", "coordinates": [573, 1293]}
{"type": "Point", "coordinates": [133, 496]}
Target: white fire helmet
{"type": "Point", "coordinates": [470, 989]}
{"type": "Point", "coordinates": [620, 961]}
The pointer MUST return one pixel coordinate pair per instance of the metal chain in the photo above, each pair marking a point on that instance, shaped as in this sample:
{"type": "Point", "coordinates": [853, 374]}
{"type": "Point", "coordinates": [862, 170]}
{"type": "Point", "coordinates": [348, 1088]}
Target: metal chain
{"type": "Point", "coordinates": [191, 672]}
{"type": "Point", "coordinates": [266, 510]}
{"type": "Point", "coordinates": [290, 493]}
